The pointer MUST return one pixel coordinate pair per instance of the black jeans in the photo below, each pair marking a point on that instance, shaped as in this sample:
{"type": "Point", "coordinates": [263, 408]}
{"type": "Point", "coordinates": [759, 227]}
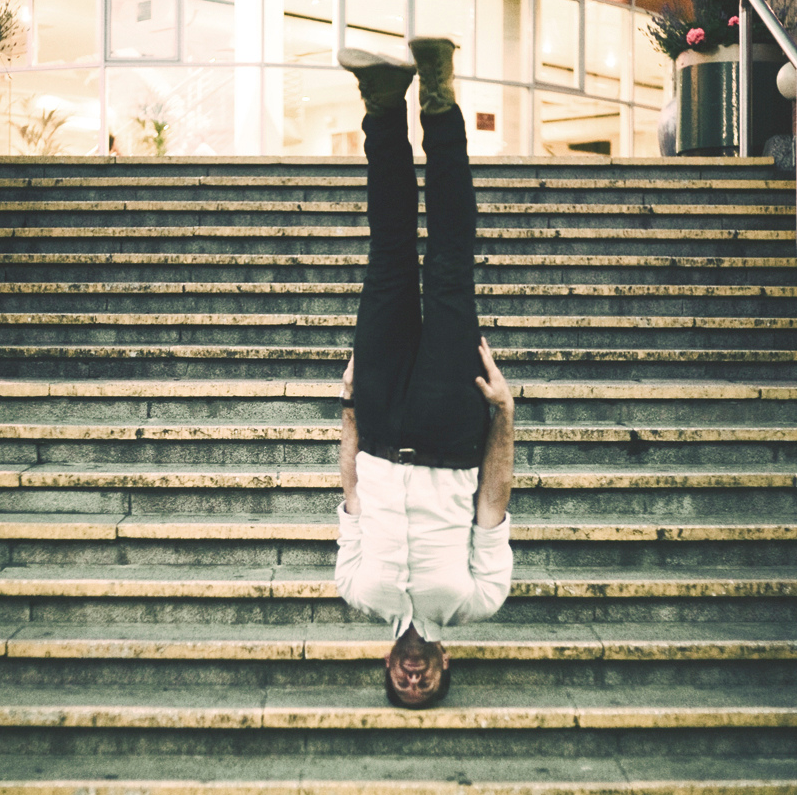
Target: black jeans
{"type": "Point", "coordinates": [414, 377]}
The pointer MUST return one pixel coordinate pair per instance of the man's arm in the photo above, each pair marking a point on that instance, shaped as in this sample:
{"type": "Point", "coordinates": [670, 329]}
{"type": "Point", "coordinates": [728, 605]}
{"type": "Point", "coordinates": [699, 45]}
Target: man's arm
{"type": "Point", "coordinates": [495, 474]}
{"type": "Point", "coordinates": [349, 445]}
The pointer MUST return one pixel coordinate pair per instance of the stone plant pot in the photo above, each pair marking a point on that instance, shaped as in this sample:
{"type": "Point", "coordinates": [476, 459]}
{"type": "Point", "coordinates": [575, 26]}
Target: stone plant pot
{"type": "Point", "coordinates": [707, 97]}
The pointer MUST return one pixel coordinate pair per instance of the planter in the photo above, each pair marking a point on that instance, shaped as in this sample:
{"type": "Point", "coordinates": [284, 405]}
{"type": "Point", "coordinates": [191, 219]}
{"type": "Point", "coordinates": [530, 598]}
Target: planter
{"type": "Point", "coordinates": [707, 96]}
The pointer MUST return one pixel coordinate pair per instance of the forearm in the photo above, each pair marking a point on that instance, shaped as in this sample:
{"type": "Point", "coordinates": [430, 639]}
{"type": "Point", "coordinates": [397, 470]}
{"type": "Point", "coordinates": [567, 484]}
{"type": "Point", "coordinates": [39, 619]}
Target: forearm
{"type": "Point", "coordinates": [495, 474]}
{"type": "Point", "coordinates": [349, 447]}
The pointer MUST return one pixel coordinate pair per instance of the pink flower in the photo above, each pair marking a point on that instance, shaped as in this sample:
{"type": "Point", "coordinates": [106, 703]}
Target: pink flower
{"type": "Point", "coordinates": [733, 21]}
{"type": "Point", "coordinates": [695, 36]}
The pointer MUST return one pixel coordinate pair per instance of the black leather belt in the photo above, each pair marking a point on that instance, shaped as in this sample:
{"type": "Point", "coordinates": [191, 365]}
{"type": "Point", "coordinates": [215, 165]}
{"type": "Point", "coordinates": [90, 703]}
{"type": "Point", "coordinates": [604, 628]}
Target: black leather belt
{"type": "Point", "coordinates": [409, 455]}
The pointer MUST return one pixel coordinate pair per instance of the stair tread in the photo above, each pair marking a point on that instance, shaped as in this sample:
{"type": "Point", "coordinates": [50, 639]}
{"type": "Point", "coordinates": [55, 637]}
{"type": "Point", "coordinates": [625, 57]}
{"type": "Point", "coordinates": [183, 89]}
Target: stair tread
{"type": "Point", "coordinates": [354, 288]}
{"type": "Point", "coordinates": [348, 260]}
{"type": "Point", "coordinates": [389, 774]}
{"type": "Point", "coordinates": [317, 582]}
{"type": "Point", "coordinates": [466, 708]}
{"type": "Point", "coordinates": [664, 389]}
{"type": "Point", "coordinates": [329, 641]}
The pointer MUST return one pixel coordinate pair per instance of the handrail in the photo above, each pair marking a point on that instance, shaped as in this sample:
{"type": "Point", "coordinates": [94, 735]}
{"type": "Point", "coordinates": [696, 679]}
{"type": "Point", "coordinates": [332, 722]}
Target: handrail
{"type": "Point", "coordinates": [787, 44]}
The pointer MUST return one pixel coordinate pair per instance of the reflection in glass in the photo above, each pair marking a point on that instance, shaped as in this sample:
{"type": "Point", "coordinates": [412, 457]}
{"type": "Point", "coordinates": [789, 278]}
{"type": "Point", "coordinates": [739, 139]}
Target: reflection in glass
{"type": "Point", "coordinates": [556, 58]}
{"type": "Point", "coordinates": [50, 113]}
{"type": "Point", "coordinates": [607, 61]}
{"type": "Point", "coordinates": [228, 31]}
{"type": "Point", "coordinates": [572, 126]}
{"type": "Point", "coordinates": [185, 111]}
{"type": "Point", "coordinates": [51, 18]}
{"type": "Point", "coordinates": [650, 67]}
{"type": "Point", "coordinates": [143, 29]}
{"type": "Point", "coordinates": [312, 112]}
{"type": "Point", "coordinates": [646, 136]}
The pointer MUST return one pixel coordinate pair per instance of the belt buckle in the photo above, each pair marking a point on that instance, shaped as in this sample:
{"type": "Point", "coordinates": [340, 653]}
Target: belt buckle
{"type": "Point", "coordinates": [406, 455]}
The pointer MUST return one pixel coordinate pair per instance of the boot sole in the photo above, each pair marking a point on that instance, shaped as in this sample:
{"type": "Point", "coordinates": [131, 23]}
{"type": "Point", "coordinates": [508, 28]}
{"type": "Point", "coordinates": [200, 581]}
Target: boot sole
{"type": "Point", "coordinates": [354, 60]}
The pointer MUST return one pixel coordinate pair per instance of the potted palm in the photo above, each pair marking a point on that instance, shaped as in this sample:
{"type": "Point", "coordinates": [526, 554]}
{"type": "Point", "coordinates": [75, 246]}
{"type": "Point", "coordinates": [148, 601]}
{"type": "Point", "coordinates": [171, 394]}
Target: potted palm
{"type": "Point", "coordinates": [702, 38]}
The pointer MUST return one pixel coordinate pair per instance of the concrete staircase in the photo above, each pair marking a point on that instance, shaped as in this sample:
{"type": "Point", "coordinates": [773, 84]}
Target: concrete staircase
{"type": "Point", "coordinates": [172, 335]}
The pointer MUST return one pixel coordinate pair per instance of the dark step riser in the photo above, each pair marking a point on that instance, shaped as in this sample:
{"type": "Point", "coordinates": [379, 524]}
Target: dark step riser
{"type": "Point", "coordinates": [667, 247]}
{"type": "Point", "coordinates": [301, 336]}
{"type": "Point", "coordinates": [212, 369]}
{"type": "Point", "coordinates": [508, 305]}
{"type": "Point", "coordinates": [265, 453]}
{"type": "Point", "coordinates": [566, 220]}
{"type": "Point", "coordinates": [667, 504]}
{"type": "Point", "coordinates": [492, 195]}
{"type": "Point", "coordinates": [267, 410]}
{"type": "Point", "coordinates": [60, 610]}
{"type": "Point", "coordinates": [502, 274]}
{"type": "Point", "coordinates": [370, 673]}
{"type": "Point", "coordinates": [267, 552]}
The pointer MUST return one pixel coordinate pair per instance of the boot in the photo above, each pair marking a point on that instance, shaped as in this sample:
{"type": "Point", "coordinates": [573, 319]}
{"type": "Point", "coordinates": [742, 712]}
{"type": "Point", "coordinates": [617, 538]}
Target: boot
{"type": "Point", "coordinates": [383, 80]}
{"type": "Point", "coordinates": [435, 60]}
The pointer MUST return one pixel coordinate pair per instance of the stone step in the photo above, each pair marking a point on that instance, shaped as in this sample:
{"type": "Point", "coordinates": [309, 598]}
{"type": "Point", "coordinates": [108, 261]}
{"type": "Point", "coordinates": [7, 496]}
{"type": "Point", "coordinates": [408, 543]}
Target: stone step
{"type": "Point", "coordinates": [215, 528]}
{"type": "Point", "coordinates": [383, 774]}
{"type": "Point", "coordinates": [332, 268]}
{"type": "Point", "coordinates": [150, 329]}
{"type": "Point", "coordinates": [354, 240]}
{"type": "Point", "coordinates": [340, 298]}
{"type": "Point", "coordinates": [338, 213]}
{"type": "Point", "coordinates": [205, 361]}
{"type": "Point", "coordinates": [362, 709]}
{"type": "Point", "coordinates": [347, 642]}
{"type": "Point", "coordinates": [317, 582]}
{"type": "Point", "coordinates": [535, 444]}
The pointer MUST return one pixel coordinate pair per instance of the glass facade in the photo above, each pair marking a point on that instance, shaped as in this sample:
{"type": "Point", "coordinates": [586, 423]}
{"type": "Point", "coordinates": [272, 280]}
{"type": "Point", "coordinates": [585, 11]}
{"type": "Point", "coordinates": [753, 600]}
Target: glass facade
{"type": "Point", "coordinates": [259, 77]}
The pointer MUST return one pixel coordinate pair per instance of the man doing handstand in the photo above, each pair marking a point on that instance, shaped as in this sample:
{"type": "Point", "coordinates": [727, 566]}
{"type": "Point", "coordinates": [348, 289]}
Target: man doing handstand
{"type": "Point", "coordinates": [426, 470]}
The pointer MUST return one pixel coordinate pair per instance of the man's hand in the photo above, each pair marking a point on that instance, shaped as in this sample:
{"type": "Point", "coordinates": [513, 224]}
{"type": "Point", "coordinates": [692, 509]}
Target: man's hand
{"type": "Point", "coordinates": [495, 388]}
{"type": "Point", "coordinates": [348, 380]}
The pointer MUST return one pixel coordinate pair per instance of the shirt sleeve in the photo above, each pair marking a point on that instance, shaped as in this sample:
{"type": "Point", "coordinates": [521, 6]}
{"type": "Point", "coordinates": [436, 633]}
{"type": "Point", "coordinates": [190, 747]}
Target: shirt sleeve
{"type": "Point", "coordinates": [491, 570]}
{"type": "Point", "coordinates": [349, 554]}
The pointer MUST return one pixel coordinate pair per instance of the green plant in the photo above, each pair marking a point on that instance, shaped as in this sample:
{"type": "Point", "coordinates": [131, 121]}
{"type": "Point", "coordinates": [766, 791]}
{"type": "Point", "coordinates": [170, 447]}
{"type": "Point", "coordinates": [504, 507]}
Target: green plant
{"type": "Point", "coordinates": [702, 26]}
{"type": "Point", "coordinates": [155, 128]}
{"type": "Point", "coordinates": [9, 26]}
{"type": "Point", "coordinates": [39, 134]}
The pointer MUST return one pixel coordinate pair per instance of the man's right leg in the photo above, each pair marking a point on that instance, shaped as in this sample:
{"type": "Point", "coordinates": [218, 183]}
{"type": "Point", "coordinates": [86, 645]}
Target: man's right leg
{"type": "Point", "coordinates": [389, 318]}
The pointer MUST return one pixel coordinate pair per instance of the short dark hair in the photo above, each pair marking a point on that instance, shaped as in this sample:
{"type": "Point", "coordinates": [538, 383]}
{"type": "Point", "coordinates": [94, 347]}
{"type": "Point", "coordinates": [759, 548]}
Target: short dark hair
{"type": "Point", "coordinates": [429, 701]}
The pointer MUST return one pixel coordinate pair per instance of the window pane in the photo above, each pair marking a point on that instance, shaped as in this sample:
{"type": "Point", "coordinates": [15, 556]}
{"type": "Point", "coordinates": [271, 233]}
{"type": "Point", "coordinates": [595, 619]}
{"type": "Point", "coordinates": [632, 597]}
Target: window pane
{"type": "Point", "coordinates": [51, 113]}
{"type": "Point", "coordinates": [496, 118]}
{"type": "Point", "coordinates": [185, 111]}
{"type": "Point", "coordinates": [451, 19]}
{"type": "Point", "coordinates": [65, 33]}
{"type": "Point", "coordinates": [557, 41]}
{"type": "Point", "coordinates": [501, 39]}
{"type": "Point", "coordinates": [573, 126]}
{"type": "Point", "coordinates": [312, 112]}
{"type": "Point", "coordinates": [650, 67]}
{"type": "Point", "coordinates": [377, 42]}
{"type": "Point", "coordinates": [646, 136]}
{"type": "Point", "coordinates": [143, 29]}
{"type": "Point", "coordinates": [607, 62]}
{"type": "Point", "coordinates": [384, 16]}
{"type": "Point", "coordinates": [228, 31]}
{"type": "Point", "coordinates": [309, 41]}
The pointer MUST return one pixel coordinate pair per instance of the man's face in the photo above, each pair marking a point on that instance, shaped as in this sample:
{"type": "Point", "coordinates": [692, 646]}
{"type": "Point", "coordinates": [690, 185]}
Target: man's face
{"type": "Point", "coordinates": [416, 667]}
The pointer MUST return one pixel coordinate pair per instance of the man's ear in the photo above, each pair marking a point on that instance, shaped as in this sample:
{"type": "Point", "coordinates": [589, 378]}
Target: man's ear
{"type": "Point", "coordinates": [446, 659]}
{"type": "Point", "coordinates": [387, 660]}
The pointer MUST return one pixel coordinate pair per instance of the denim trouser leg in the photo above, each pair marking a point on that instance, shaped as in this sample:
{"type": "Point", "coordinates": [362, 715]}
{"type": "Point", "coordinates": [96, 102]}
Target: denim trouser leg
{"type": "Point", "coordinates": [415, 382]}
{"type": "Point", "coordinates": [389, 319]}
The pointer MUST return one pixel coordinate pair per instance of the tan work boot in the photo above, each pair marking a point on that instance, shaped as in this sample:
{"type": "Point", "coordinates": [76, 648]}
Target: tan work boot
{"type": "Point", "coordinates": [383, 80]}
{"type": "Point", "coordinates": [435, 60]}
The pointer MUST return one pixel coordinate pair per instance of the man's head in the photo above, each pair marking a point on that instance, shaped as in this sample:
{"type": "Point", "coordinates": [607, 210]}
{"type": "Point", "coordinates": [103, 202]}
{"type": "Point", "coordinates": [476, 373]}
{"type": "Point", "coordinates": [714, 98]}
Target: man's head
{"type": "Point", "coordinates": [417, 673]}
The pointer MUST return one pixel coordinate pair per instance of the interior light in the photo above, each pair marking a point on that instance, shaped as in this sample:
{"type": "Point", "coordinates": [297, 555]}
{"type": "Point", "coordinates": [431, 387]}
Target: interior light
{"type": "Point", "coordinates": [305, 99]}
{"type": "Point", "coordinates": [24, 14]}
{"type": "Point", "coordinates": [547, 48]}
{"type": "Point", "coordinates": [611, 61]}
{"type": "Point", "coordinates": [48, 102]}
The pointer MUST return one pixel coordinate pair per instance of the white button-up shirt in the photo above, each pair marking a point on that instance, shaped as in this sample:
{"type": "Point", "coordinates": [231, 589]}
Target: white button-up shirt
{"type": "Point", "coordinates": [414, 554]}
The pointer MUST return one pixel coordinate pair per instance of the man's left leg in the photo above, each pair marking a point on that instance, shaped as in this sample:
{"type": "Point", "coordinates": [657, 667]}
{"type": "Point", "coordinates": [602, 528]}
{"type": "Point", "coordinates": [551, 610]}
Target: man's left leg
{"type": "Point", "coordinates": [446, 412]}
